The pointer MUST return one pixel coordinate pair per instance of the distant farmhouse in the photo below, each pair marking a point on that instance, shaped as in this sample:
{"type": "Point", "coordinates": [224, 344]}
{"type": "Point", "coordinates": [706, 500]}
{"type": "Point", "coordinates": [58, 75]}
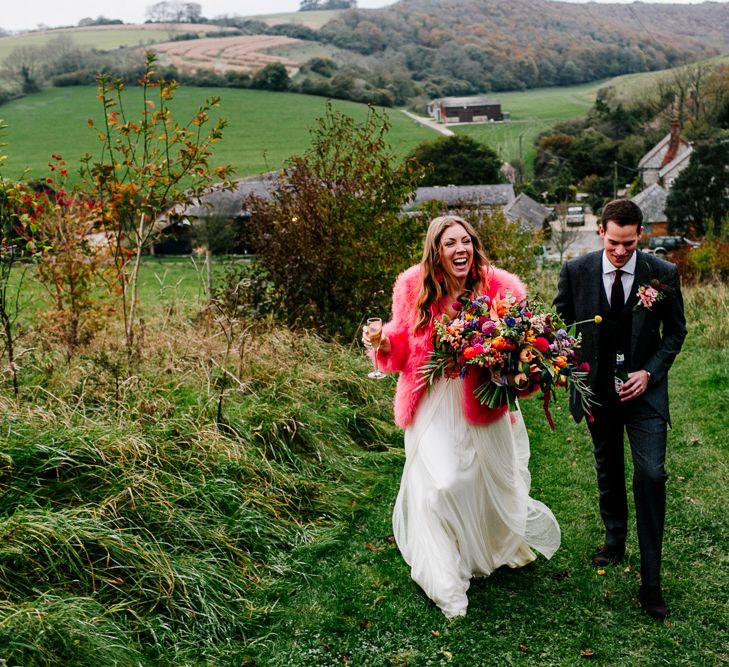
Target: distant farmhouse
{"type": "Point", "coordinates": [465, 110]}
{"type": "Point", "coordinates": [662, 163]}
{"type": "Point", "coordinates": [659, 168]}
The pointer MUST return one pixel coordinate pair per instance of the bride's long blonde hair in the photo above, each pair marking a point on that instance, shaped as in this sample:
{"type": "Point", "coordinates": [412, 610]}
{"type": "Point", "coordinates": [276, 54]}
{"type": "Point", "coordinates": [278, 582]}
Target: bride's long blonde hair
{"type": "Point", "coordinates": [436, 283]}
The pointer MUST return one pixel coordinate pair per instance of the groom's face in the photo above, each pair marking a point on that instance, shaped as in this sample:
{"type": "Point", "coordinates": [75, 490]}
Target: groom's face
{"type": "Point", "coordinates": [620, 242]}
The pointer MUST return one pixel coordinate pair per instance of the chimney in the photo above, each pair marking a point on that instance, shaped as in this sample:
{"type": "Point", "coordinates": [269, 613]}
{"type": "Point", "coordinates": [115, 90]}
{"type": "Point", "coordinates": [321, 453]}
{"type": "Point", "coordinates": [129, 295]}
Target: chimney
{"type": "Point", "coordinates": [674, 144]}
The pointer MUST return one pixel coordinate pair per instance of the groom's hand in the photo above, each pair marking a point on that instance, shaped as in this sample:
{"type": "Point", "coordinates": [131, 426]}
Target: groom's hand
{"type": "Point", "coordinates": [635, 385]}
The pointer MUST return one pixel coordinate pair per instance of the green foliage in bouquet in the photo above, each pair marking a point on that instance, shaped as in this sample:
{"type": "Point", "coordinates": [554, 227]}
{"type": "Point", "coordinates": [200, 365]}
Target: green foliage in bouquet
{"type": "Point", "coordinates": [517, 347]}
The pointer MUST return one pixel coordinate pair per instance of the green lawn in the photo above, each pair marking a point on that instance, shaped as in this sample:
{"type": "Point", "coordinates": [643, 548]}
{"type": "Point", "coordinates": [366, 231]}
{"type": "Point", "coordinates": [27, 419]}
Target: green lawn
{"type": "Point", "coordinates": [532, 112]}
{"type": "Point", "coordinates": [313, 19]}
{"type": "Point", "coordinates": [104, 39]}
{"type": "Point", "coordinates": [136, 529]}
{"type": "Point", "coordinates": [264, 128]}
{"type": "Point", "coordinates": [354, 603]}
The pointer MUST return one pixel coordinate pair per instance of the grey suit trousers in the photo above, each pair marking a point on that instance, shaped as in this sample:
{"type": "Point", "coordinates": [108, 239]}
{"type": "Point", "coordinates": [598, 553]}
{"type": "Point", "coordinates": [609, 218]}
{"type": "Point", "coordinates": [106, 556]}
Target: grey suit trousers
{"type": "Point", "coordinates": [646, 431]}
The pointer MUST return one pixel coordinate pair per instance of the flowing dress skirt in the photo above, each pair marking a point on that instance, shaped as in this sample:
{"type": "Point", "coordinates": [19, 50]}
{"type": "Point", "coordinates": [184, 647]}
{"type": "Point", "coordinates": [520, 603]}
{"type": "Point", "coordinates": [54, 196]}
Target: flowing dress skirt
{"type": "Point", "coordinates": [463, 508]}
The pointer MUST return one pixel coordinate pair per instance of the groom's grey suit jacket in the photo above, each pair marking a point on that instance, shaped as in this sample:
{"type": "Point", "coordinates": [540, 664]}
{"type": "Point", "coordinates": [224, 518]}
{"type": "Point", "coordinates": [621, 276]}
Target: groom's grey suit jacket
{"type": "Point", "coordinates": [656, 333]}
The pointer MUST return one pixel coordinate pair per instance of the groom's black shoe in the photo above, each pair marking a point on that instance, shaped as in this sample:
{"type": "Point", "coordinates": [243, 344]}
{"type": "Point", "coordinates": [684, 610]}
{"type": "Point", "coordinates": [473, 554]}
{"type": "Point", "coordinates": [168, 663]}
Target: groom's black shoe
{"type": "Point", "coordinates": [652, 602]}
{"type": "Point", "coordinates": [607, 555]}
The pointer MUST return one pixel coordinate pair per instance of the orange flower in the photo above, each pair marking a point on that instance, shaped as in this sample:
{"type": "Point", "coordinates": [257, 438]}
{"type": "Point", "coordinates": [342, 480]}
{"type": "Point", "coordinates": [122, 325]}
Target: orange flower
{"type": "Point", "coordinates": [499, 343]}
{"type": "Point", "coordinates": [499, 306]}
{"type": "Point", "coordinates": [560, 362]}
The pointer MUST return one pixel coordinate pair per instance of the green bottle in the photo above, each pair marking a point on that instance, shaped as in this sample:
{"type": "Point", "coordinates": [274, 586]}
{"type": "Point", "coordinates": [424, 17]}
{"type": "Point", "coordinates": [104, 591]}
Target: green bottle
{"type": "Point", "coordinates": [621, 374]}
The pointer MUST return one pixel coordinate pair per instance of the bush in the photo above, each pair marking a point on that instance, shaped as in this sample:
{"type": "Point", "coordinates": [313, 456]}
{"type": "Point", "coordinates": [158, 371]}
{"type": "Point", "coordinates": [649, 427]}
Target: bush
{"type": "Point", "coordinates": [246, 292]}
{"type": "Point", "coordinates": [457, 160]}
{"type": "Point", "coordinates": [323, 66]}
{"type": "Point", "coordinates": [271, 77]}
{"type": "Point", "coordinates": [708, 262]}
{"type": "Point", "coordinates": [332, 236]}
{"type": "Point", "coordinates": [82, 77]}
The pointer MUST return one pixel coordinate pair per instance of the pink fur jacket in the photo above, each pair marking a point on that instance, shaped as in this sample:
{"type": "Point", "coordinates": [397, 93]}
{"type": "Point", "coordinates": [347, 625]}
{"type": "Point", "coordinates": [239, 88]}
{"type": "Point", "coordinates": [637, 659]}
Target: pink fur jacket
{"type": "Point", "coordinates": [409, 350]}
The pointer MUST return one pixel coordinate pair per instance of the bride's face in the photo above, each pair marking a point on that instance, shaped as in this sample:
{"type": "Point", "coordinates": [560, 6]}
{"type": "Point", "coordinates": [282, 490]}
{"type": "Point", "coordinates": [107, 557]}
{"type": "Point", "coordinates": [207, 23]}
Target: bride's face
{"type": "Point", "coordinates": [456, 252]}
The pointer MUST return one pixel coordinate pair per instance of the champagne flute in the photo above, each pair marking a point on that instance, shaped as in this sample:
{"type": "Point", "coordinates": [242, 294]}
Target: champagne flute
{"type": "Point", "coordinates": [374, 328]}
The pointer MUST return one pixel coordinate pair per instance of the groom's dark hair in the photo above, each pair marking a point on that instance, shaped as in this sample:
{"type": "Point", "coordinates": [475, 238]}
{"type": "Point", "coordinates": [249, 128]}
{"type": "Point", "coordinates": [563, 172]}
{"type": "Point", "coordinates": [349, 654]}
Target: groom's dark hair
{"type": "Point", "coordinates": [622, 212]}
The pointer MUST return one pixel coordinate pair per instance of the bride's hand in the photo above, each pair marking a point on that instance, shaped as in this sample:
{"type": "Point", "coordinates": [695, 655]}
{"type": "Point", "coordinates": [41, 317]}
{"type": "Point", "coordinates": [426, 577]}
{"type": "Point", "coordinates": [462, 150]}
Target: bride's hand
{"type": "Point", "coordinates": [384, 341]}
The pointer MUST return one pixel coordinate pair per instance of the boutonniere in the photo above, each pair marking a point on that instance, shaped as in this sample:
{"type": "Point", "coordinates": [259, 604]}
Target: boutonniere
{"type": "Point", "coordinates": [651, 293]}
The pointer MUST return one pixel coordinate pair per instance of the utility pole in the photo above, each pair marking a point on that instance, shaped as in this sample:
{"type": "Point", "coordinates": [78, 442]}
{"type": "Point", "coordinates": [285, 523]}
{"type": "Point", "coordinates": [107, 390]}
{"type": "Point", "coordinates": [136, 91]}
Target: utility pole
{"type": "Point", "coordinates": [521, 161]}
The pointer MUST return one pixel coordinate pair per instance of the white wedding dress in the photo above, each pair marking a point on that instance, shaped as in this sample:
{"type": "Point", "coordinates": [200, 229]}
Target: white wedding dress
{"type": "Point", "coordinates": [463, 508]}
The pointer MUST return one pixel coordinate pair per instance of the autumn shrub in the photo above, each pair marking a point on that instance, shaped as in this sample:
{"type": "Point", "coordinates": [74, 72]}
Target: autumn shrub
{"type": "Point", "coordinates": [332, 237]}
{"type": "Point", "coordinates": [76, 266]}
{"type": "Point", "coordinates": [148, 165]}
{"type": "Point", "coordinates": [20, 207]}
{"type": "Point", "coordinates": [708, 262]}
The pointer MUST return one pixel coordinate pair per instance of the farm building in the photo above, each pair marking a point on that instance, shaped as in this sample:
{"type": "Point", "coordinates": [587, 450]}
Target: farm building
{"type": "Point", "coordinates": [662, 163]}
{"type": "Point", "coordinates": [227, 207]}
{"type": "Point", "coordinates": [465, 110]}
{"type": "Point", "coordinates": [527, 210]}
{"type": "Point", "coordinates": [652, 203]}
{"type": "Point", "coordinates": [465, 196]}
{"type": "Point", "coordinates": [218, 205]}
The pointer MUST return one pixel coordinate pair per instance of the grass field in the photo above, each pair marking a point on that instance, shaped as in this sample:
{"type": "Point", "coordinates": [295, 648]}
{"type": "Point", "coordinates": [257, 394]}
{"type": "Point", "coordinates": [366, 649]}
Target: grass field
{"type": "Point", "coordinates": [104, 39]}
{"type": "Point", "coordinates": [134, 530]}
{"type": "Point", "coordinates": [264, 128]}
{"type": "Point", "coordinates": [314, 19]}
{"type": "Point", "coordinates": [531, 112]}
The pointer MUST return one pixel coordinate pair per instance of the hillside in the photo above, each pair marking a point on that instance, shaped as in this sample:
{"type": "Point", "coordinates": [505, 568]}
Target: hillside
{"type": "Point", "coordinates": [461, 46]}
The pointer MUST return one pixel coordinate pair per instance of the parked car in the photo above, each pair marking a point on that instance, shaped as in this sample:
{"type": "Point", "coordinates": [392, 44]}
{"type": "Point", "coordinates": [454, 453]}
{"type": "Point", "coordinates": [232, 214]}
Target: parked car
{"type": "Point", "coordinates": [664, 245]}
{"type": "Point", "coordinates": [575, 216]}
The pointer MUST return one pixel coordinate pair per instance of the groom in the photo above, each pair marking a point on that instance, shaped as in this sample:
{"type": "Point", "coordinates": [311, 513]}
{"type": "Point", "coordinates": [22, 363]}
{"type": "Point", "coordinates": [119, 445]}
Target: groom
{"type": "Point", "coordinates": [641, 336]}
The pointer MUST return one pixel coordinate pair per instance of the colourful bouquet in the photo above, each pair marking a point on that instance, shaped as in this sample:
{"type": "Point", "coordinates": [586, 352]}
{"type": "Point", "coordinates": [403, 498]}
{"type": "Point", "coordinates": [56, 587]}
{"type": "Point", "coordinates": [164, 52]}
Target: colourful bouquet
{"type": "Point", "coordinates": [517, 348]}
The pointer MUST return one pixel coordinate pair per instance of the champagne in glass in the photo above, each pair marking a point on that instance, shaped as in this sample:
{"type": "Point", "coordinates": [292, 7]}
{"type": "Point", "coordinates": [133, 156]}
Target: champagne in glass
{"type": "Point", "coordinates": [374, 328]}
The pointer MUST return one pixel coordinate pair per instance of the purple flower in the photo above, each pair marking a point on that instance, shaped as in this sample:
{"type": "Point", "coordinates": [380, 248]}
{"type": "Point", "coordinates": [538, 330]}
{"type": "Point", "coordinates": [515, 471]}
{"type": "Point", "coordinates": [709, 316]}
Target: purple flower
{"type": "Point", "coordinates": [561, 333]}
{"type": "Point", "coordinates": [488, 328]}
{"type": "Point", "coordinates": [510, 321]}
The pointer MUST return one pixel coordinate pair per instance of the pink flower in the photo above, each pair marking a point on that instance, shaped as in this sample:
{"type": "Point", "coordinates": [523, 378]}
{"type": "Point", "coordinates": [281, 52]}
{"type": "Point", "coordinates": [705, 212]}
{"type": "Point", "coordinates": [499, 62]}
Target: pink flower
{"type": "Point", "coordinates": [541, 343]}
{"type": "Point", "coordinates": [650, 294]}
{"type": "Point", "coordinates": [584, 367]}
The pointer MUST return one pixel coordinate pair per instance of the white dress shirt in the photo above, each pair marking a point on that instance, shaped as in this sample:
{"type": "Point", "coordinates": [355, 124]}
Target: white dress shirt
{"type": "Point", "coordinates": [608, 275]}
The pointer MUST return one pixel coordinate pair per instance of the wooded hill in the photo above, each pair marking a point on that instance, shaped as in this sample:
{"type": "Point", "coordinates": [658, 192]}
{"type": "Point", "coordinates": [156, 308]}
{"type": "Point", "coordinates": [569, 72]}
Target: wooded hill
{"type": "Point", "coordinates": [463, 46]}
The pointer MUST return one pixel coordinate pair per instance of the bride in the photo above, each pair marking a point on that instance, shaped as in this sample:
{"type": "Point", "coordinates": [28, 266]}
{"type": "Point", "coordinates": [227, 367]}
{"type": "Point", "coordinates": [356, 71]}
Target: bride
{"type": "Point", "coordinates": [463, 508]}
